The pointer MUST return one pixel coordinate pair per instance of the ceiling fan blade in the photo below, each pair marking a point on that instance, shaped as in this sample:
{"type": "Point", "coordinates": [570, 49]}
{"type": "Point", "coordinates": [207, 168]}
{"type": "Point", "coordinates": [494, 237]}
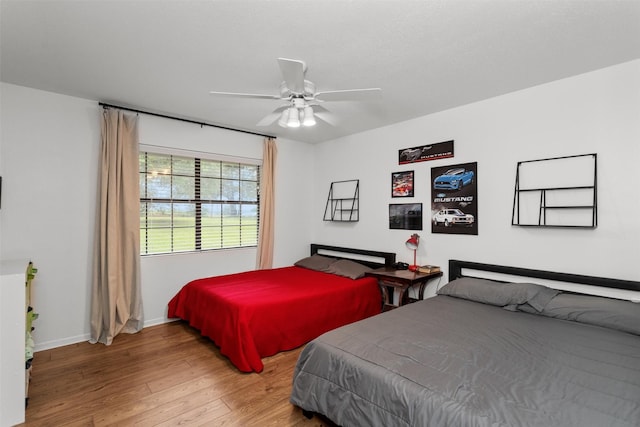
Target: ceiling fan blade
{"type": "Point", "coordinates": [244, 95]}
{"type": "Point", "coordinates": [293, 74]}
{"type": "Point", "coordinates": [327, 118]}
{"type": "Point", "coordinates": [349, 95]}
{"type": "Point", "coordinates": [272, 117]}
{"type": "Point", "coordinates": [324, 115]}
{"type": "Point", "coordinates": [268, 119]}
{"type": "Point", "coordinates": [317, 108]}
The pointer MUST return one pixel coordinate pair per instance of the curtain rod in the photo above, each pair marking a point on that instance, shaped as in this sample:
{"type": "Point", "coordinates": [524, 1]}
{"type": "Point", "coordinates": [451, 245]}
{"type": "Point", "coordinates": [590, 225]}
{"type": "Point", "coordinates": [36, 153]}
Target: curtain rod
{"type": "Point", "coordinates": [104, 105]}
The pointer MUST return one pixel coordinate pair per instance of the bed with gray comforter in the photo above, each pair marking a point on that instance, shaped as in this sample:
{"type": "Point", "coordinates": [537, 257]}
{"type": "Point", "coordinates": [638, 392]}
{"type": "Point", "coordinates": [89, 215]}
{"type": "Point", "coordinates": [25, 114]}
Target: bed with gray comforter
{"type": "Point", "coordinates": [480, 358]}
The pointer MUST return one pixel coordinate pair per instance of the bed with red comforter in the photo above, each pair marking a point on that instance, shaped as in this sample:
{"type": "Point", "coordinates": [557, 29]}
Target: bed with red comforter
{"type": "Point", "coordinates": [259, 313]}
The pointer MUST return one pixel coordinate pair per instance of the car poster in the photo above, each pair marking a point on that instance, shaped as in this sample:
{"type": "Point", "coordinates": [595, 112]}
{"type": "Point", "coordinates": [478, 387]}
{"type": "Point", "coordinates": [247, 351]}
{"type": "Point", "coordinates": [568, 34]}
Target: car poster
{"type": "Point", "coordinates": [402, 184]}
{"type": "Point", "coordinates": [454, 199]}
{"type": "Point", "coordinates": [423, 153]}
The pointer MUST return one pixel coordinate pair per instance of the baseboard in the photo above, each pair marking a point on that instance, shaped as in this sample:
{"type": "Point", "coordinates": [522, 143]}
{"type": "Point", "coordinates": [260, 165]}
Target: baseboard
{"type": "Point", "coordinates": [48, 345]}
{"type": "Point", "coordinates": [158, 321]}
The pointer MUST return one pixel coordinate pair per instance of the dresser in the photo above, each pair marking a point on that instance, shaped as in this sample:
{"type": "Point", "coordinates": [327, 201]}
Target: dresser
{"type": "Point", "coordinates": [12, 337]}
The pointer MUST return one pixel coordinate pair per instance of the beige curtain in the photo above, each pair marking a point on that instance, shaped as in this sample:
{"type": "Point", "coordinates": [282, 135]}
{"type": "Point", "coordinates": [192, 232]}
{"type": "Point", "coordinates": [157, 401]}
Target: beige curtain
{"type": "Point", "coordinates": [116, 304]}
{"type": "Point", "coordinates": [267, 205]}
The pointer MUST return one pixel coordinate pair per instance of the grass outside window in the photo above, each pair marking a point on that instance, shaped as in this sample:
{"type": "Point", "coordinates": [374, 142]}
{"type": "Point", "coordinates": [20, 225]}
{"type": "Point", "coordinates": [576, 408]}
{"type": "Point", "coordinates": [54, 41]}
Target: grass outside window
{"type": "Point", "coordinates": [196, 204]}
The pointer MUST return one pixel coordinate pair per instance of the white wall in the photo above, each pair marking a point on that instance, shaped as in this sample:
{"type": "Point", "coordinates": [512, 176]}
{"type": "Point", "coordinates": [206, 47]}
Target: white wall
{"type": "Point", "coordinates": [294, 201]}
{"type": "Point", "coordinates": [49, 152]}
{"type": "Point", "coordinates": [598, 112]}
{"type": "Point", "coordinates": [50, 149]}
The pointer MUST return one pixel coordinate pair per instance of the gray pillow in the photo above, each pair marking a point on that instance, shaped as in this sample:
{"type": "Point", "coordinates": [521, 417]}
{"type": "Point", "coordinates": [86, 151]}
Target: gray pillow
{"type": "Point", "coordinates": [539, 296]}
{"type": "Point", "coordinates": [523, 307]}
{"type": "Point", "coordinates": [600, 311]}
{"type": "Point", "coordinates": [347, 268]}
{"type": "Point", "coordinates": [315, 262]}
{"type": "Point", "coordinates": [499, 293]}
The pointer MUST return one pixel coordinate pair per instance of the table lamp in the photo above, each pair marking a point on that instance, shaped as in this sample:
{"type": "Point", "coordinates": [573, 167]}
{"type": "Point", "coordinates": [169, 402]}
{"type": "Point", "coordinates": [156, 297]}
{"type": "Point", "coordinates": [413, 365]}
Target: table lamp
{"type": "Point", "coordinates": [412, 244]}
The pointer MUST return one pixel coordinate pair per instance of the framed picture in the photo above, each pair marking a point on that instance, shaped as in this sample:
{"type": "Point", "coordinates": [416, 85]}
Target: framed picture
{"type": "Point", "coordinates": [423, 153]}
{"type": "Point", "coordinates": [454, 199]}
{"type": "Point", "coordinates": [405, 216]}
{"type": "Point", "coordinates": [402, 184]}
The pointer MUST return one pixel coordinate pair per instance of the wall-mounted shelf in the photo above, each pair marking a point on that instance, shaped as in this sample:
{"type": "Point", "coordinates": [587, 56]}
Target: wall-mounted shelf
{"type": "Point", "coordinates": [343, 201]}
{"type": "Point", "coordinates": [556, 192]}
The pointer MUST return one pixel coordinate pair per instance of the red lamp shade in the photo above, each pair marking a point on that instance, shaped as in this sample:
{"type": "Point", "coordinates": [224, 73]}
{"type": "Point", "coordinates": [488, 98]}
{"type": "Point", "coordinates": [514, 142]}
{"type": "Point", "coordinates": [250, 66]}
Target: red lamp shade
{"type": "Point", "coordinates": [412, 244]}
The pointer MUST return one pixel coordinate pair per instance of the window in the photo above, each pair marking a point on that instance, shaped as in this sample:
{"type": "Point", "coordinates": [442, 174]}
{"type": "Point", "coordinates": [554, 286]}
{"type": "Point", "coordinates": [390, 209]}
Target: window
{"type": "Point", "coordinates": [193, 204]}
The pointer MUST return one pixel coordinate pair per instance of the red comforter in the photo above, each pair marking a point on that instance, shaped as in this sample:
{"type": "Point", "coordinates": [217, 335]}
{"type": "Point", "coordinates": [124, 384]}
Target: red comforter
{"type": "Point", "coordinates": [259, 313]}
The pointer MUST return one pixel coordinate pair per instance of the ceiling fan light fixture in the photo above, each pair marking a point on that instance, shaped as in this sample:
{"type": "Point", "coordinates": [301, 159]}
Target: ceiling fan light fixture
{"type": "Point", "coordinates": [284, 118]}
{"type": "Point", "coordinates": [309, 119]}
{"type": "Point", "coordinates": [294, 118]}
{"type": "Point", "coordinates": [296, 92]}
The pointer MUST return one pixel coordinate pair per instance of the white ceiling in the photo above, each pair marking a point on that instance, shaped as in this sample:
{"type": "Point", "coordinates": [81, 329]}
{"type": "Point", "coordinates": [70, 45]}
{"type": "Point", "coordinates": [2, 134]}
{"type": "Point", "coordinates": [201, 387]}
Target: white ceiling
{"type": "Point", "coordinates": [427, 56]}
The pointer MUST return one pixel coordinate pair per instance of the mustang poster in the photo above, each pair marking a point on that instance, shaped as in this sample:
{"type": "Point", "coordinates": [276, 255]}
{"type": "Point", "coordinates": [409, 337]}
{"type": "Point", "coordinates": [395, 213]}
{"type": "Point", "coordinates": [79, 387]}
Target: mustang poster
{"type": "Point", "coordinates": [441, 150]}
{"type": "Point", "coordinates": [454, 199]}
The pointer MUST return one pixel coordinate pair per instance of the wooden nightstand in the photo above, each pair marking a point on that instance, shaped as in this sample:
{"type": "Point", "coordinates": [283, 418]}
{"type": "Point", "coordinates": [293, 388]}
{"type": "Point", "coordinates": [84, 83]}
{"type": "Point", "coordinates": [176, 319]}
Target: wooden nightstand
{"type": "Point", "coordinates": [402, 280]}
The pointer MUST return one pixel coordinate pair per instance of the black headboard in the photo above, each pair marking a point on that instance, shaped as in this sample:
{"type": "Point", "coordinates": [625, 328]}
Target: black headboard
{"type": "Point", "coordinates": [456, 266]}
{"type": "Point", "coordinates": [388, 257]}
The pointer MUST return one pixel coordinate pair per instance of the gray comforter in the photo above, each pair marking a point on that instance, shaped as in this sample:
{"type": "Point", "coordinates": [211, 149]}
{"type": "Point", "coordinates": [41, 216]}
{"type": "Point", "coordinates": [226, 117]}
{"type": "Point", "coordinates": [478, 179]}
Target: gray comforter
{"type": "Point", "coordinates": [451, 362]}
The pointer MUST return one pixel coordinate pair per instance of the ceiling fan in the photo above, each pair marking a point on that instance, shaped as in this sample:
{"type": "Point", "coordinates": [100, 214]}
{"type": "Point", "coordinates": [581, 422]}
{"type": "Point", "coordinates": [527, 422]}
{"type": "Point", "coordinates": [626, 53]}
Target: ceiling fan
{"type": "Point", "coordinates": [301, 102]}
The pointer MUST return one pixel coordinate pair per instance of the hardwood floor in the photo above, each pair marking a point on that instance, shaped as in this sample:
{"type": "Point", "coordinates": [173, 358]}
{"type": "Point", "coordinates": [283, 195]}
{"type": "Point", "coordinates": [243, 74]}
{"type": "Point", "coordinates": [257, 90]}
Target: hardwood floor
{"type": "Point", "coordinates": [164, 375]}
